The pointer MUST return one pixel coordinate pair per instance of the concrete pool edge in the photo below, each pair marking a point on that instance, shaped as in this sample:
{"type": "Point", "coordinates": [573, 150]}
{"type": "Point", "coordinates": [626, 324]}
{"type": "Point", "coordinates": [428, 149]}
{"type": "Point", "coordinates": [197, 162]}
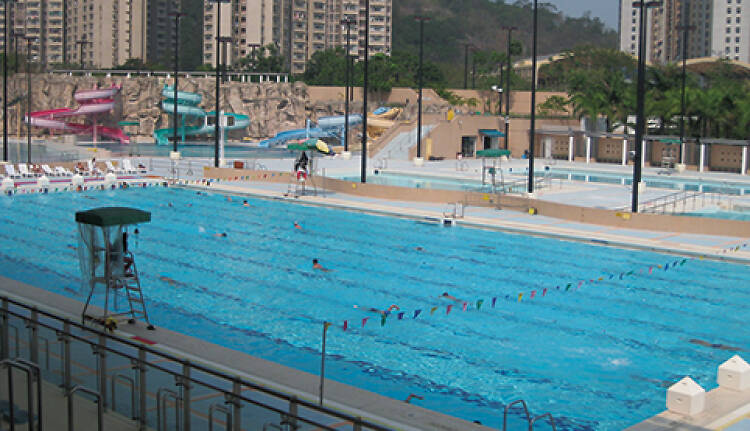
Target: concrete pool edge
{"type": "Point", "coordinates": [594, 238]}
{"type": "Point", "coordinates": [354, 401]}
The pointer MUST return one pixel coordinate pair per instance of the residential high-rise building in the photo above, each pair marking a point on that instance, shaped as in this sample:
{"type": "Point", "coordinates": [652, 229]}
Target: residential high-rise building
{"type": "Point", "coordinates": [731, 30]}
{"type": "Point", "coordinates": [718, 28]}
{"type": "Point", "coordinates": [40, 19]}
{"type": "Point", "coordinates": [298, 28]}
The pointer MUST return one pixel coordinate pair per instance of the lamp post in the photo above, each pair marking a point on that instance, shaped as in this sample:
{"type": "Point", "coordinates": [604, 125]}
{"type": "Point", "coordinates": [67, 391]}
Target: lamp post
{"type": "Point", "coordinates": [81, 43]}
{"type": "Point", "coordinates": [15, 37]}
{"type": "Point", "coordinates": [348, 23]}
{"type": "Point", "coordinates": [685, 29]}
{"type": "Point", "coordinates": [533, 105]}
{"type": "Point", "coordinates": [363, 173]}
{"type": "Point", "coordinates": [218, 84]}
{"type": "Point", "coordinates": [421, 20]}
{"type": "Point", "coordinates": [5, 83]}
{"type": "Point", "coordinates": [499, 90]}
{"type": "Point", "coordinates": [466, 65]}
{"type": "Point", "coordinates": [28, 40]}
{"type": "Point", "coordinates": [640, 123]}
{"type": "Point", "coordinates": [507, 89]}
{"type": "Point", "coordinates": [176, 16]}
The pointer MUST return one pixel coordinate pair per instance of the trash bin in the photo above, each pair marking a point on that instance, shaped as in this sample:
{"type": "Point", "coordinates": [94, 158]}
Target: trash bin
{"type": "Point", "coordinates": [239, 164]}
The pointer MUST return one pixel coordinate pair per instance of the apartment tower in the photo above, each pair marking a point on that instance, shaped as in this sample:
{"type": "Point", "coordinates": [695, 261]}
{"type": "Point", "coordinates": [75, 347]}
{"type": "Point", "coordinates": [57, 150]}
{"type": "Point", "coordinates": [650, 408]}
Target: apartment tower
{"type": "Point", "coordinates": [40, 19]}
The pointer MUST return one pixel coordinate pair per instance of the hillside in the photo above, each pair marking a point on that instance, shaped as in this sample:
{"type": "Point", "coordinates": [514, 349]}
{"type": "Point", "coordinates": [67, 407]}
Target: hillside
{"type": "Point", "coordinates": [479, 22]}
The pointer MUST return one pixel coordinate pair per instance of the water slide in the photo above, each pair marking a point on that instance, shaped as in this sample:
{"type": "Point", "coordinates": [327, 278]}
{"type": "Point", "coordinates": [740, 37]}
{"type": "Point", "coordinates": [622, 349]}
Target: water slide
{"type": "Point", "coordinates": [326, 127]}
{"type": "Point", "coordinates": [187, 108]}
{"type": "Point", "coordinates": [91, 103]}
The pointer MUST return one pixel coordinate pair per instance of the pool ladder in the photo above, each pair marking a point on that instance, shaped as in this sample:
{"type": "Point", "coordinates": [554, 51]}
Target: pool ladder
{"type": "Point", "coordinates": [531, 421]}
{"type": "Point", "coordinates": [132, 286]}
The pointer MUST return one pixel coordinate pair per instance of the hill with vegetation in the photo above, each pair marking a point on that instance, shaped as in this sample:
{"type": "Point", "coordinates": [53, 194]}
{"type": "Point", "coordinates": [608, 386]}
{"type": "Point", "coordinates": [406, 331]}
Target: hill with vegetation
{"type": "Point", "coordinates": [455, 23]}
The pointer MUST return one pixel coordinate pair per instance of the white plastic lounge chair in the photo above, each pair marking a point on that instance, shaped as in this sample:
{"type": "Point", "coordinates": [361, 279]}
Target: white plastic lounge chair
{"type": "Point", "coordinates": [49, 172]}
{"type": "Point", "coordinates": [112, 168]}
{"type": "Point", "coordinates": [128, 167]}
{"type": "Point", "coordinates": [24, 170]}
{"type": "Point", "coordinates": [11, 171]}
{"type": "Point", "coordinates": [92, 169]}
{"type": "Point", "coordinates": [63, 172]}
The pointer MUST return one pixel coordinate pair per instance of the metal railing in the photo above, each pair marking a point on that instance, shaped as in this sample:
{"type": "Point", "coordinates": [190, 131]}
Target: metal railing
{"type": "Point", "coordinates": [106, 355]}
{"type": "Point", "coordinates": [231, 76]}
{"type": "Point", "coordinates": [676, 203]}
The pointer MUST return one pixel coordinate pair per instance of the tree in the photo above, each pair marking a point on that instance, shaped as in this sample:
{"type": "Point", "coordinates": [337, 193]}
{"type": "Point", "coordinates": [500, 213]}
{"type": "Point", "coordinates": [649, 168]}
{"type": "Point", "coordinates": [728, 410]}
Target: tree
{"type": "Point", "coordinates": [264, 60]}
{"type": "Point", "coordinates": [326, 67]}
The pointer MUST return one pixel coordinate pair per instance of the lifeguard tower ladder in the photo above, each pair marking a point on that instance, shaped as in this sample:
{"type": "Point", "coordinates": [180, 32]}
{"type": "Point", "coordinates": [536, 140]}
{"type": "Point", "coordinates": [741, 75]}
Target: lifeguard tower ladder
{"type": "Point", "coordinates": [492, 168]}
{"type": "Point", "coordinates": [106, 262]}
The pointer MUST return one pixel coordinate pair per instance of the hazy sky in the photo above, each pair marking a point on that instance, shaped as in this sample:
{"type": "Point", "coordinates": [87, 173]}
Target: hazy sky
{"type": "Point", "coordinates": [606, 10]}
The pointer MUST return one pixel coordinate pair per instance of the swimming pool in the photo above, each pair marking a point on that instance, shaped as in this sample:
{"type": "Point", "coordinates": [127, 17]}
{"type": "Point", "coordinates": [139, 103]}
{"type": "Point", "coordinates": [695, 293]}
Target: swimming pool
{"type": "Point", "coordinates": [597, 357]}
{"type": "Point", "coordinates": [518, 176]}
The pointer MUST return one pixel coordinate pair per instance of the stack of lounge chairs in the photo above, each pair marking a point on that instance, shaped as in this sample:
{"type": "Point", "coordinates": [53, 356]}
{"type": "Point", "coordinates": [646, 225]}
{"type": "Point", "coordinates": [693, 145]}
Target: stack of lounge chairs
{"type": "Point", "coordinates": [21, 171]}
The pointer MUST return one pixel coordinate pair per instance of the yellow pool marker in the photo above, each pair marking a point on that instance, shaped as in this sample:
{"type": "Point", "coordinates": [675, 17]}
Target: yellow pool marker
{"type": "Point", "coordinates": [520, 295]}
{"type": "Point", "coordinates": [624, 216]}
{"type": "Point", "coordinates": [354, 186]}
{"type": "Point", "coordinates": [485, 197]}
{"type": "Point", "coordinates": [533, 211]}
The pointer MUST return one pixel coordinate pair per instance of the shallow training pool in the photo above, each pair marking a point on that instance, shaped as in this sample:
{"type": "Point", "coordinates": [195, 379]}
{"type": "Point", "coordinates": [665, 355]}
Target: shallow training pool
{"type": "Point", "coordinates": [598, 356]}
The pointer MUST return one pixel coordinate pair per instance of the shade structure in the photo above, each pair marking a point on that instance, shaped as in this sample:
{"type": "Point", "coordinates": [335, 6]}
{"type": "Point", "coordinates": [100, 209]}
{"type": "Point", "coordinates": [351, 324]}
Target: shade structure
{"type": "Point", "coordinates": [113, 216]}
{"type": "Point", "coordinates": [493, 152]}
{"type": "Point", "coordinates": [491, 132]}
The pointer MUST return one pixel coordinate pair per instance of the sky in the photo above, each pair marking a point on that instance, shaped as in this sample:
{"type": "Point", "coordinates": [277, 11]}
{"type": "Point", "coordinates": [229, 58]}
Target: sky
{"type": "Point", "coordinates": [606, 10]}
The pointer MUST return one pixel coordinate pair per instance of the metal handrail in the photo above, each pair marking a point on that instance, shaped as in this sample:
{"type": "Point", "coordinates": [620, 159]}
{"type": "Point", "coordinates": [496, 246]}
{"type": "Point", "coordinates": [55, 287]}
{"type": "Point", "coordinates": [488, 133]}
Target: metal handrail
{"type": "Point", "coordinates": [37, 374]}
{"type": "Point", "coordinates": [507, 408]}
{"type": "Point", "coordinates": [548, 415]}
{"type": "Point", "coordinates": [204, 369]}
{"type": "Point", "coordinates": [130, 380]}
{"type": "Point", "coordinates": [221, 409]}
{"type": "Point", "coordinates": [99, 406]}
{"type": "Point", "coordinates": [161, 408]}
{"type": "Point", "coordinates": [10, 364]}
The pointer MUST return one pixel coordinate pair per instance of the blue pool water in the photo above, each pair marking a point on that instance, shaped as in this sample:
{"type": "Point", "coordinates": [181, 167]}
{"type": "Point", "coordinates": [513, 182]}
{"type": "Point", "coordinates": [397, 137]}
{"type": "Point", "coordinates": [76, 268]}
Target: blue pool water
{"type": "Point", "coordinates": [432, 182]}
{"type": "Point", "coordinates": [597, 358]}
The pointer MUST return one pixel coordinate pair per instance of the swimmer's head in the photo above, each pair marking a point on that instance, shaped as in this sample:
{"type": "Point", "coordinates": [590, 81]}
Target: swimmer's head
{"type": "Point", "coordinates": [315, 261]}
{"type": "Point", "coordinates": [223, 234]}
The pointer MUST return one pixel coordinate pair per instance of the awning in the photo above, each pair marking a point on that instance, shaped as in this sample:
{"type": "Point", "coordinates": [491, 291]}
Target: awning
{"type": "Point", "coordinates": [493, 152]}
{"type": "Point", "coordinates": [112, 216]}
{"type": "Point", "coordinates": [491, 132]}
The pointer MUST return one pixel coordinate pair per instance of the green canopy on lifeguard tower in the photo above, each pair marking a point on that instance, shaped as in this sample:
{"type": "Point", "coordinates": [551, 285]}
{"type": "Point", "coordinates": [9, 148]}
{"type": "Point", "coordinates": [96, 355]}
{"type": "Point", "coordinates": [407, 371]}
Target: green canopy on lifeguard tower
{"type": "Point", "coordinates": [112, 216]}
{"type": "Point", "coordinates": [493, 152]}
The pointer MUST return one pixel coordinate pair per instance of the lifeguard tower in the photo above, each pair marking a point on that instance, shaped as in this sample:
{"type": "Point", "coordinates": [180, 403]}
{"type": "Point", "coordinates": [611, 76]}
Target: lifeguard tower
{"type": "Point", "coordinates": [107, 264]}
{"type": "Point", "coordinates": [300, 184]}
{"type": "Point", "coordinates": [492, 167]}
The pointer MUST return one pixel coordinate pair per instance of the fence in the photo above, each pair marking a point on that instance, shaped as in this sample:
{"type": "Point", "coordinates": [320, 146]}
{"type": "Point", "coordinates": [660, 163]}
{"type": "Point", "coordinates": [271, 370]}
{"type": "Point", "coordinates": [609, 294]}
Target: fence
{"type": "Point", "coordinates": [230, 76]}
{"type": "Point", "coordinates": [154, 389]}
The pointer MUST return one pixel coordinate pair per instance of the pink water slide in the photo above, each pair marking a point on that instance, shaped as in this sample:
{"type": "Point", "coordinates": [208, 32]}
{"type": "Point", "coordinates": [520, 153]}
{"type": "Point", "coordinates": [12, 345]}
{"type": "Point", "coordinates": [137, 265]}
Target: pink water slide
{"type": "Point", "coordinates": [91, 103]}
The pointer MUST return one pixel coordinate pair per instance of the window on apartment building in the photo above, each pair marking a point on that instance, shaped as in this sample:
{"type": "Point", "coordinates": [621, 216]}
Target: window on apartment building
{"type": "Point", "coordinates": [737, 30]}
{"type": "Point", "coordinates": [726, 51]}
{"type": "Point", "coordinates": [736, 49]}
{"type": "Point", "coordinates": [729, 20]}
{"type": "Point", "coordinates": [737, 40]}
{"type": "Point", "coordinates": [729, 30]}
{"type": "Point", "coordinates": [727, 40]}
{"type": "Point", "coordinates": [632, 36]}
{"type": "Point", "coordinates": [729, 11]}
{"type": "Point", "coordinates": [737, 21]}
{"type": "Point", "coordinates": [739, 10]}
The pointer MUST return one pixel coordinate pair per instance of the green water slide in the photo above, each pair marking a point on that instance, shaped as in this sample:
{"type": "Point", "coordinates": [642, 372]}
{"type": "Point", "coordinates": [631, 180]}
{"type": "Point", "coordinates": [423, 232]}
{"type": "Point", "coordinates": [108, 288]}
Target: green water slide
{"type": "Point", "coordinates": [187, 108]}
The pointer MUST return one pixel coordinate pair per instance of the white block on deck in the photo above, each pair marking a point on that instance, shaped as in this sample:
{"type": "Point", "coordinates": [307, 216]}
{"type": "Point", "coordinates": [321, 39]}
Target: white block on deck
{"type": "Point", "coordinates": [686, 397]}
{"type": "Point", "coordinates": [734, 374]}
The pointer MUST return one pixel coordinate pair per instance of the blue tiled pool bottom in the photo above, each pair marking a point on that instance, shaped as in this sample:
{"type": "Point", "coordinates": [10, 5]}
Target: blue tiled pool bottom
{"type": "Point", "coordinates": [598, 357]}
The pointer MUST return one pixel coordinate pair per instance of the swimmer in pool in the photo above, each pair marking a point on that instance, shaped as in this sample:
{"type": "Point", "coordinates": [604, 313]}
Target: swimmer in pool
{"type": "Point", "coordinates": [408, 399]}
{"type": "Point", "coordinates": [245, 204]}
{"type": "Point", "coordinates": [221, 235]}
{"type": "Point", "coordinates": [297, 226]}
{"type": "Point", "coordinates": [716, 345]}
{"type": "Point", "coordinates": [419, 248]}
{"type": "Point", "coordinates": [447, 295]}
{"type": "Point", "coordinates": [317, 265]}
{"type": "Point", "coordinates": [379, 311]}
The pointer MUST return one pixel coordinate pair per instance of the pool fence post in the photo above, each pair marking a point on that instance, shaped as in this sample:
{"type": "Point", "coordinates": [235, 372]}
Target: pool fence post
{"type": "Point", "coordinates": [743, 168]}
{"type": "Point", "coordinates": [185, 384]}
{"type": "Point", "coordinates": [5, 347]}
{"type": "Point", "coordinates": [624, 152]}
{"type": "Point", "coordinates": [101, 352]}
{"type": "Point", "coordinates": [323, 362]}
{"type": "Point", "coordinates": [142, 412]}
{"type": "Point", "coordinates": [588, 149]}
{"type": "Point", "coordinates": [571, 143]}
{"type": "Point", "coordinates": [643, 153]}
{"type": "Point", "coordinates": [236, 406]}
{"type": "Point", "coordinates": [703, 156]}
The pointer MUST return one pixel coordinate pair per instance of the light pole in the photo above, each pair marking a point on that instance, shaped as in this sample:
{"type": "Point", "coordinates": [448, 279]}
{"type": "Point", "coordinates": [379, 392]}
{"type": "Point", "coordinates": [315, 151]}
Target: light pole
{"type": "Point", "coordinates": [28, 40]}
{"type": "Point", "coordinates": [685, 29]}
{"type": "Point", "coordinates": [640, 123]}
{"type": "Point", "coordinates": [5, 83]}
{"type": "Point", "coordinates": [466, 65]}
{"type": "Point", "coordinates": [218, 84]}
{"type": "Point", "coordinates": [421, 20]}
{"type": "Point", "coordinates": [348, 23]}
{"type": "Point", "coordinates": [363, 174]}
{"type": "Point", "coordinates": [177, 16]}
{"type": "Point", "coordinates": [499, 90]}
{"type": "Point", "coordinates": [507, 90]}
{"type": "Point", "coordinates": [533, 105]}
{"type": "Point", "coordinates": [15, 37]}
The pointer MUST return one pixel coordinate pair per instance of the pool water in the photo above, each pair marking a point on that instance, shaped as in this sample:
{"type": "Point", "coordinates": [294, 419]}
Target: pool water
{"type": "Point", "coordinates": [598, 357]}
{"type": "Point", "coordinates": [517, 176]}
